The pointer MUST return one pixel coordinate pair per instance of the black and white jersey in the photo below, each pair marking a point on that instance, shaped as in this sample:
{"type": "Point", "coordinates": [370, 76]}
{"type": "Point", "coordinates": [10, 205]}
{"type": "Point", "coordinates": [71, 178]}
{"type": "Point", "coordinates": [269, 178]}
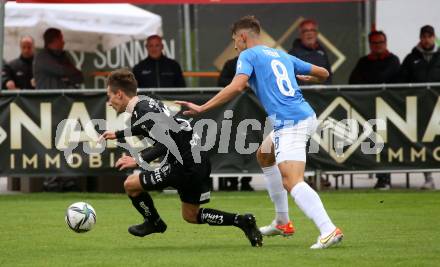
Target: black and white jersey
{"type": "Point", "coordinates": [170, 133]}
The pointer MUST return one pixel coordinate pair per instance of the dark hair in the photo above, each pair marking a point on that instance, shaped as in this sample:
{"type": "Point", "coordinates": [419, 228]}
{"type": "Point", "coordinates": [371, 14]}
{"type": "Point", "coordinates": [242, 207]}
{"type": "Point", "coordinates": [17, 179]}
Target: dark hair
{"type": "Point", "coordinates": [308, 21]}
{"type": "Point", "coordinates": [50, 35]}
{"type": "Point", "coordinates": [427, 29]}
{"type": "Point", "coordinates": [373, 33]}
{"type": "Point", "coordinates": [155, 36]}
{"type": "Point", "coordinates": [124, 80]}
{"type": "Point", "coordinates": [246, 22]}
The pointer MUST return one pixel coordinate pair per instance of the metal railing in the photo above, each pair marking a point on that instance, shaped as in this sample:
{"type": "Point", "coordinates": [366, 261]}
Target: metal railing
{"type": "Point", "coordinates": [216, 89]}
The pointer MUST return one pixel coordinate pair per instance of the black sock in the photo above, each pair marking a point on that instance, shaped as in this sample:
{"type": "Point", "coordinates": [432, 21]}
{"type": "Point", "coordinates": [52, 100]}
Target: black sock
{"type": "Point", "coordinates": [217, 217]}
{"type": "Point", "coordinates": [145, 206]}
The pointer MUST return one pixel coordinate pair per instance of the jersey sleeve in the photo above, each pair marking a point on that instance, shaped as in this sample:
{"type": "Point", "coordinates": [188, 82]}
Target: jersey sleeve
{"type": "Point", "coordinates": [142, 126]}
{"type": "Point", "coordinates": [244, 65]}
{"type": "Point", "coordinates": [151, 153]}
{"type": "Point", "coordinates": [301, 67]}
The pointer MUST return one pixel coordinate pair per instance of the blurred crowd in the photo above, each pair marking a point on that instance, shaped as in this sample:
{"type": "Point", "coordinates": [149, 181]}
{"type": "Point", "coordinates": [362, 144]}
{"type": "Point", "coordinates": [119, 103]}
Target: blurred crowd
{"type": "Point", "coordinates": [52, 67]}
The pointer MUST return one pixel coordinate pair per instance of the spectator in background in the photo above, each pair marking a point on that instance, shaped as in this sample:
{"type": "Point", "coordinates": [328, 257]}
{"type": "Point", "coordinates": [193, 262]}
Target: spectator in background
{"type": "Point", "coordinates": [231, 183]}
{"type": "Point", "coordinates": [6, 73]}
{"type": "Point", "coordinates": [307, 47]}
{"type": "Point", "coordinates": [228, 72]}
{"type": "Point", "coordinates": [53, 68]}
{"type": "Point", "coordinates": [157, 70]}
{"type": "Point", "coordinates": [21, 74]}
{"type": "Point", "coordinates": [423, 65]}
{"type": "Point", "coordinates": [380, 66]}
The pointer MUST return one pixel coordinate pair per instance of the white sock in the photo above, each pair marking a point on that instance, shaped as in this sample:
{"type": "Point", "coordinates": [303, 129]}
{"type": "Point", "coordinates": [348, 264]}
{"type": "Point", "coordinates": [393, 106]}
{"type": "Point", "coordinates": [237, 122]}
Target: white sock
{"type": "Point", "coordinates": [277, 193]}
{"type": "Point", "coordinates": [282, 217]}
{"type": "Point", "coordinates": [309, 202]}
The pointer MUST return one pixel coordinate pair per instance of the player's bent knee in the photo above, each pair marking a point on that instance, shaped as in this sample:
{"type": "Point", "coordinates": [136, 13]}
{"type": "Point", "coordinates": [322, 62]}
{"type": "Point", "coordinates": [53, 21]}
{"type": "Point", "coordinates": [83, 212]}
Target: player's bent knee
{"type": "Point", "coordinates": [189, 218]}
{"type": "Point", "coordinates": [190, 213]}
{"type": "Point", "coordinates": [132, 185]}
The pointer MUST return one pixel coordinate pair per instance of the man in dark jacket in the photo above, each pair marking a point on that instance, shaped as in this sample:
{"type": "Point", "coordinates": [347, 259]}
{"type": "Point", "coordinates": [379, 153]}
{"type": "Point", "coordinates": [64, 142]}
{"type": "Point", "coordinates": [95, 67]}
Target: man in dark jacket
{"type": "Point", "coordinates": [308, 48]}
{"type": "Point", "coordinates": [423, 63]}
{"type": "Point", "coordinates": [53, 69]}
{"type": "Point", "coordinates": [380, 66]}
{"type": "Point", "coordinates": [228, 72]}
{"type": "Point", "coordinates": [6, 73]}
{"type": "Point", "coordinates": [157, 70]}
{"type": "Point", "coordinates": [420, 66]}
{"type": "Point", "coordinates": [21, 74]}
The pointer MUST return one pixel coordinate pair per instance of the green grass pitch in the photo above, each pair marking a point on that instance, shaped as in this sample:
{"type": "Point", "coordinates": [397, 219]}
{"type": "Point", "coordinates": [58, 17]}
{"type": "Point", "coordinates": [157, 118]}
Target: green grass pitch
{"type": "Point", "coordinates": [398, 228]}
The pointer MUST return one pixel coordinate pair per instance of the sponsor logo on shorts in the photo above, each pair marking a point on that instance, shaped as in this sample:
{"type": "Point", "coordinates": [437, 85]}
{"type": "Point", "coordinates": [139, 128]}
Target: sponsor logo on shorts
{"type": "Point", "coordinates": [156, 177]}
{"type": "Point", "coordinates": [166, 169]}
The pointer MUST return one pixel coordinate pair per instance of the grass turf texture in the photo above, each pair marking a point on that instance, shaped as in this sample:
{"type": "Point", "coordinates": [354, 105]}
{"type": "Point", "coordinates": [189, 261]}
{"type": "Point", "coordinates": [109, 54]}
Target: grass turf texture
{"type": "Point", "coordinates": [381, 229]}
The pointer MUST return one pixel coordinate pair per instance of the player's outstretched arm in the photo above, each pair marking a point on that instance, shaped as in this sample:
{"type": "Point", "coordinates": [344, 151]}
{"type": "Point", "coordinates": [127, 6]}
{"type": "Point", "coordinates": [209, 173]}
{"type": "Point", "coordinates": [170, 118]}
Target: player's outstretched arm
{"type": "Point", "coordinates": [317, 75]}
{"type": "Point", "coordinates": [154, 152]}
{"type": "Point", "coordinates": [237, 85]}
{"type": "Point", "coordinates": [107, 135]}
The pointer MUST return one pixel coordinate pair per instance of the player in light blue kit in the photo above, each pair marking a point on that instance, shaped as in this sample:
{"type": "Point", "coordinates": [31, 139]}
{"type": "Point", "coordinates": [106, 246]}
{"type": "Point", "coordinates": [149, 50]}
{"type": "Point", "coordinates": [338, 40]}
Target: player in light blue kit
{"type": "Point", "coordinates": [282, 155]}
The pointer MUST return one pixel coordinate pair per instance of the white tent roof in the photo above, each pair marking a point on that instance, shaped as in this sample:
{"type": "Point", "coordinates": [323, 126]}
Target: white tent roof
{"type": "Point", "coordinates": [84, 26]}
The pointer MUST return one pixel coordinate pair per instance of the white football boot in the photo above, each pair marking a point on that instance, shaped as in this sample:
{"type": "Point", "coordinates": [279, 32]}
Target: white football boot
{"type": "Point", "coordinates": [332, 239]}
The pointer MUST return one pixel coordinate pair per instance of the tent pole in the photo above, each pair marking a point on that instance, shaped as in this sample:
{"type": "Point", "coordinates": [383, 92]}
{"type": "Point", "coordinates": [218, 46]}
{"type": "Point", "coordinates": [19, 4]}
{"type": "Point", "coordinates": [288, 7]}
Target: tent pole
{"type": "Point", "coordinates": [196, 39]}
{"type": "Point", "coordinates": [187, 25]}
{"type": "Point", "coordinates": [2, 35]}
{"type": "Point", "coordinates": [188, 48]}
{"type": "Point", "coordinates": [180, 35]}
{"type": "Point", "coordinates": [367, 16]}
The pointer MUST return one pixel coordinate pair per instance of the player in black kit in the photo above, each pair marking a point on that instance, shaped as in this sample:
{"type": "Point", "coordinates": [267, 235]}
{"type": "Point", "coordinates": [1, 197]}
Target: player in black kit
{"type": "Point", "coordinates": [172, 137]}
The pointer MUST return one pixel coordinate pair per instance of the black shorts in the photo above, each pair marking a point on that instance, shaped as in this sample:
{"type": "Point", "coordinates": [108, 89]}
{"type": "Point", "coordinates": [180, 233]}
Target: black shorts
{"type": "Point", "coordinates": [192, 182]}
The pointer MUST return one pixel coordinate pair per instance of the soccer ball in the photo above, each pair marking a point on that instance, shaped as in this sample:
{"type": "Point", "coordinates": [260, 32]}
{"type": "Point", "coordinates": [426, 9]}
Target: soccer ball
{"type": "Point", "coordinates": [80, 217]}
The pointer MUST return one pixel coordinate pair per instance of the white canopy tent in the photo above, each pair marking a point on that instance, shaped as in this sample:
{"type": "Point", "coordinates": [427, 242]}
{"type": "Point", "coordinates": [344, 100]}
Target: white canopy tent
{"type": "Point", "coordinates": [84, 26]}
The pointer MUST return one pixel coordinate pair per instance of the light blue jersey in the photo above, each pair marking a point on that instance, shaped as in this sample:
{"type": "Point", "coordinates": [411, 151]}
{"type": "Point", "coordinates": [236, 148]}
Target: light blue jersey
{"type": "Point", "coordinates": [272, 76]}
